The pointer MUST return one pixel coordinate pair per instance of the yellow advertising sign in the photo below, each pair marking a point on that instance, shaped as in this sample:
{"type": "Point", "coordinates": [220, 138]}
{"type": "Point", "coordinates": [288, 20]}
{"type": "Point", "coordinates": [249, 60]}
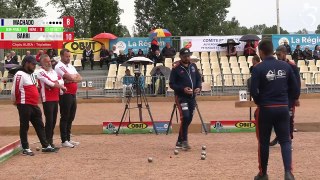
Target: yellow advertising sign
{"type": "Point", "coordinates": [79, 45]}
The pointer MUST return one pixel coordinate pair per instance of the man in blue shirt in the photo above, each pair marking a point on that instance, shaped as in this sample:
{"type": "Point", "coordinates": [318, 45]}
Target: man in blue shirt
{"type": "Point", "coordinates": [185, 80]}
{"type": "Point", "coordinates": [272, 83]}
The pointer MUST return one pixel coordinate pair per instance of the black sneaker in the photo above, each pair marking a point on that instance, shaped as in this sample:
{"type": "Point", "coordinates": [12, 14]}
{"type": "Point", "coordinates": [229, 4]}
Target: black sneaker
{"type": "Point", "coordinates": [185, 145]}
{"type": "Point", "coordinates": [48, 149]}
{"type": "Point", "coordinates": [288, 176]}
{"type": "Point", "coordinates": [27, 152]}
{"type": "Point", "coordinates": [55, 147]}
{"type": "Point", "coordinates": [274, 142]}
{"type": "Point", "coordinates": [263, 177]}
{"type": "Point", "coordinates": [179, 145]}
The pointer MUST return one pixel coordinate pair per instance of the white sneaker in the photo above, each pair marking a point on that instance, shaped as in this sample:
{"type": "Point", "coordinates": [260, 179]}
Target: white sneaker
{"type": "Point", "coordinates": [74, 143]}
{"type": "Point", "coordinates": [67, 144]}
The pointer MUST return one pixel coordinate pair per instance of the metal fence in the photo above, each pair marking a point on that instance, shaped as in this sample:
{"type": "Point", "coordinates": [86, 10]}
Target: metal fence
{"type": "Point", "coordinates": [115, 86]}
{"type": "Point", "coordinates": [219, 85]}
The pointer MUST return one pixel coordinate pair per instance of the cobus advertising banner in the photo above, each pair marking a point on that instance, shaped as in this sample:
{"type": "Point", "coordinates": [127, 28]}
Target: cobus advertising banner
{"type": "Point", "coordinates": [78, 45]}
{"type": "Point", "coordinates": [293, 40]}
{"type": "Point", "coordinates": [135, 127]}
{"type": "Point", "coordinates": [232, 126]}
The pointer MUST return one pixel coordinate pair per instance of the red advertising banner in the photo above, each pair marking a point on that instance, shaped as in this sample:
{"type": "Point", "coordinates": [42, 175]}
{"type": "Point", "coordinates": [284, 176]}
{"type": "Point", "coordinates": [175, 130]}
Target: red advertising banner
{"type": "Point", "coordinates": [31, 44]}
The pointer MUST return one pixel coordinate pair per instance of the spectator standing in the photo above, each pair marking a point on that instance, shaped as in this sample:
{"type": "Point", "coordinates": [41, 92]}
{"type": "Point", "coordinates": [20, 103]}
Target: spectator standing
{"type": "Point", "coordinates": [104, 54]}
{"type": "Point", "coordinates": [168, 51]}
{"type": "Point", "coordinates": [67, 101]}
{"type": "Point", "coordinates": [155, 44]}
{"type": "Point", "coordinates": [287, 47]}
{"type": "Point", "coordinates": [250, 49]}
{"type": "Point", "coordinates": [25, 96]}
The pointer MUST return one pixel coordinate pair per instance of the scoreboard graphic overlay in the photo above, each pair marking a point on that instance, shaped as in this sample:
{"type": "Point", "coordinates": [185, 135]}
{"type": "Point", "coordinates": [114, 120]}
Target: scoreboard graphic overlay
{"type": "Point", "coordinates": [35, 33]}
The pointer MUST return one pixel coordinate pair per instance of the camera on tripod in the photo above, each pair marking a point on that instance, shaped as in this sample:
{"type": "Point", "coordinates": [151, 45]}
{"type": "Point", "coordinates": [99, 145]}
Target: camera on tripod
{"type": "Point", "coordinates": [137, 63]}
{"type": "Point", "coordinates": [137, 68]}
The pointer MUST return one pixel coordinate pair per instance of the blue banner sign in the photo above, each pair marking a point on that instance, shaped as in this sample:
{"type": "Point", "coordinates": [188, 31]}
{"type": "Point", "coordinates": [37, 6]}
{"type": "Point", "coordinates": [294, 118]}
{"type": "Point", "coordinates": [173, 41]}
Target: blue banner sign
{"type": "Point", "coordinates": [310, 40]}
{"type": "Point", "coordinates": [137, 43]}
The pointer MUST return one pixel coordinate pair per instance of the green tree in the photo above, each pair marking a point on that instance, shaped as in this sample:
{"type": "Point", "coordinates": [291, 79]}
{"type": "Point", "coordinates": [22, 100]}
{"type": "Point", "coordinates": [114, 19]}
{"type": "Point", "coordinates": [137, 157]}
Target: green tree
{"type": "Point", "coordinates": [318, 29]}
{"type": "Point", "coordinates": [302, 31]}
{"type": "Point", "coordinates": [273, 30]}
{"type": "Point", "coordinates": [80, 10]}
{"type": "Point", "coordinates": [21, 9]}
{"type": "Point", "coordinates": [258, 29]}
{"type": "Point", "coordinates": [105, 17]}
{"type": "Point", "coordinates": [231, 27]}
{"type": "Point", "coordinates": [123, 31]}
{"type": "Point", "coordinates": [181, 17]}
{"type": "Point", "coordinates": [144, 17]}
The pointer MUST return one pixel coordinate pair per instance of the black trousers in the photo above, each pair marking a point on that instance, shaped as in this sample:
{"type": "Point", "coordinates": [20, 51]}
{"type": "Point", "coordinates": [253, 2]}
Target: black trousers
{"type": "Point", "coordinates": [50, 110]}
{"type": "Point", "coordinates": [102, 60]}
{"type": "Point", "coordinates": [83, 62]}
{"type": "Point", "coordinates": [33, 114]}
{"type": "Point", "coordinates": [68, 108]}
{"type": "Point", "coordinates": [186, 108]}
{"type": "Point", "coordinates": [266, 118]}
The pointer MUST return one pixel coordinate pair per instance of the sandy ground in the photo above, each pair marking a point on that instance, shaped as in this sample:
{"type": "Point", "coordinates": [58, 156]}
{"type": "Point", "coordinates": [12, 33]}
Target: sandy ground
{"type": "Point", "coordinates": [229, 156]}
{"type": "Point", "coordinates": [5, 140]}
{"type": "Point", "coordinates": [95, 114]}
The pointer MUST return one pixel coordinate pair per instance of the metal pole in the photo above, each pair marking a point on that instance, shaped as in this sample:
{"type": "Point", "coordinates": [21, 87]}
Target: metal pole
{"type": "Point", "coordinates": [278, 18]}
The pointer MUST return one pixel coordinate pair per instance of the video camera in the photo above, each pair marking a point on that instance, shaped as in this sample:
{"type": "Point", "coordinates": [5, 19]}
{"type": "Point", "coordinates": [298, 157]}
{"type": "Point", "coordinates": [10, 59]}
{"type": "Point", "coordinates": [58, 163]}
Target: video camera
{"type": "Point", "coordinates": [137, 68]}
{"type": "Point", "coordinates": [137, 63]}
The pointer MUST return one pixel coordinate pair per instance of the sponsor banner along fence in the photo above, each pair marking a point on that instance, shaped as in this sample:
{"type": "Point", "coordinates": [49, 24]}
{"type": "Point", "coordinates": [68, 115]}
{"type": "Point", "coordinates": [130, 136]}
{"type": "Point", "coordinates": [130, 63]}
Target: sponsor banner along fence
{"type": "Point", "coordinates": [135, 127]}
{"type": "Point", "coordinates": [293, 40]}
{"type": "Point", "coordinates": [225, 126]}
{"type": "Point", "coordinates": [136, 43]}
{"type": "Point", "coordinates": [208, 43]}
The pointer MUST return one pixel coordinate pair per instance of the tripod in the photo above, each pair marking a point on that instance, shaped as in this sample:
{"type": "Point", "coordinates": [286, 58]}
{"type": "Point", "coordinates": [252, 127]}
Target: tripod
{"type": "Point", "coordinates": [141, 98]}
{"type": "Point", "coordinates": [175, 109]}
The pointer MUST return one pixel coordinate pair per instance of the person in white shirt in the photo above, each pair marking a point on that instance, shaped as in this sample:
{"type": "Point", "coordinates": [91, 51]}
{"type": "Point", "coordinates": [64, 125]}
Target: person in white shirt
{"type": "Point", "coordinates": [24, 95]}
{"type": "Point", "coordinates": [115, 50]}
{"type": "Point", "coordinates": [67, 101]}
{"type": "Point", "coordinates": [49, 84]}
